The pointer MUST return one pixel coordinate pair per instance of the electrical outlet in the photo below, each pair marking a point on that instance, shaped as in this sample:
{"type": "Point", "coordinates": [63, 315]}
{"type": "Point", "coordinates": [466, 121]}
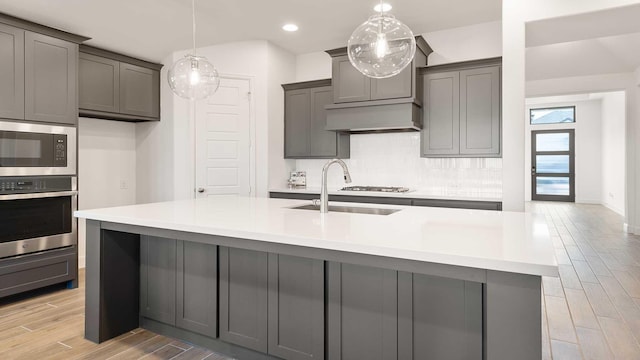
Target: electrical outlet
{"type": "Point", "coordinates": [123, 185]}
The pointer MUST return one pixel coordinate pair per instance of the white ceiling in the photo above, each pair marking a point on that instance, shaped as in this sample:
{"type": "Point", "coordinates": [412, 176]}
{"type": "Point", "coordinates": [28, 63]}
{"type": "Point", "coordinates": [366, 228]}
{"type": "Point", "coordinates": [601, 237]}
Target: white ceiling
{"type": "Point", "coordinates": [152, 29]}
{"type": "Point", "coordinates": [603, 42]}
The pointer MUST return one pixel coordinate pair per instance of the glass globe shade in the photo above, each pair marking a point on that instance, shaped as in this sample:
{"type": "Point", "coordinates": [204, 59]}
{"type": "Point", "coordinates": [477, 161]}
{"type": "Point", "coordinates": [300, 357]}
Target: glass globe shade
{"type": "Point", "coordinates": [381, 47]}
{"type": "Point", "coordinates": [193, 77]}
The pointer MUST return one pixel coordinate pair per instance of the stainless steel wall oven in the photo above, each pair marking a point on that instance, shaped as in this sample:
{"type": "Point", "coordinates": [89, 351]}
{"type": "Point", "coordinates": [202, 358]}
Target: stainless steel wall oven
{"type": "Point", "coordinates": [36, 214]}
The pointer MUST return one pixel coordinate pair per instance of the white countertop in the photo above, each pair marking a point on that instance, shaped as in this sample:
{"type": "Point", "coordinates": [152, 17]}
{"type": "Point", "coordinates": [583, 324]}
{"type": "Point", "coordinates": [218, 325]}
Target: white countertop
{"type": "Point", "coordinates": [412, 194]}
{"type": "Point", "coordinates": [503, 241]}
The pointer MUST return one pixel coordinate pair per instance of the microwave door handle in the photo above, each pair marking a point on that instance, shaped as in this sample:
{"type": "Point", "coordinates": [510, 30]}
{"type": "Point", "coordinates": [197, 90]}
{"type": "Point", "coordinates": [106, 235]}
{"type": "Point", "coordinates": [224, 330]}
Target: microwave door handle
{"type": "Point", "coordinates": [38, 195]}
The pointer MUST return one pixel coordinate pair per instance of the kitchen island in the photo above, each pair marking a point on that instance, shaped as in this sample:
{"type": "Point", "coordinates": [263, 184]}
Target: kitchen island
{"type": "Point", "coordinates": [256, 279]}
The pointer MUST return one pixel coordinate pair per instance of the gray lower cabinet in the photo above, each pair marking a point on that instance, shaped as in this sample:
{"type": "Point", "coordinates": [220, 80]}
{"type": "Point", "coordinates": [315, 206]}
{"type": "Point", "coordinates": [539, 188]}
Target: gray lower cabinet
{"type": "Point", "coordinates": [462, 114]}
{"type": "Point", "coordinates": [243, 297]}
{"type": "Point", "coordinates": [439, 318]}
{"type": "Point", "coordinates": [99, 82]}
{"type": "Point", "coordinates": [197, 288]}
{"type": "Point", "coordinates": [158, 278]}
{"type": "Point", "coordinates": [305, 122]}
{"type": "Point", "coordinates": [178, 283]}
{"type": "Point", "coordinates": [11, 72]}
{"type": "Point", "coordinates": [296, 307]}
{"type": "Point", "coordinates": [362, 312]}
{"type": "Point", "coordinates": [50, 79]}
{"type": "Point", "coordinates": [272, 303]}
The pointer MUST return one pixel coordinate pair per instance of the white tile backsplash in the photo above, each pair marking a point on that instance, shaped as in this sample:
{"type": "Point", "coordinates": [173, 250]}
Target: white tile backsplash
{"type": "Point", "coordinates": [393, 159]}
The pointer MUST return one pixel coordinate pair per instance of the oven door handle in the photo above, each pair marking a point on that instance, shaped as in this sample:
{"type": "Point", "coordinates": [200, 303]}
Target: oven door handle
{"type": "Point", "coordinates": [38, 195]}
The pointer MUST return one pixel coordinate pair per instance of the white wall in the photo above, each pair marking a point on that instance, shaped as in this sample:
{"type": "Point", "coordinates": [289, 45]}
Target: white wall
{"type": "Point", "coordinates": [398, 162]}
{"type": "Point", "coordinates": [313, 66]}
{"type": "Point", "coordinates": [465, 43]}
{"type": "Point", "coordinates": [280, 69]}
{"type": "Point", "coordinates": [165, 149]}
{"type": "Point", "coordinates": [106, 168]}
{"type": "Point", "coordinates": [613, 151]}
{"type": "Point", "coordinates": [588, 148]}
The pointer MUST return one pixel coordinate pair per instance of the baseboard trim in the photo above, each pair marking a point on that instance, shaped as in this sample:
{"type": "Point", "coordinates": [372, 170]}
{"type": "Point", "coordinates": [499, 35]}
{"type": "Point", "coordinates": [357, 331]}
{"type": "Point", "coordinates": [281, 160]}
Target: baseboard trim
{"type": "Point", "coordinates": [631, 229]}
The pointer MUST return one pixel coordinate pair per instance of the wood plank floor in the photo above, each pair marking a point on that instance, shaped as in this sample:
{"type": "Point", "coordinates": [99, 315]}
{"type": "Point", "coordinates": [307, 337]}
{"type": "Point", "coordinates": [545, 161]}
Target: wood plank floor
{"type": "Point", "coordinates": [50, 325]}
{"type": "Point", "coordinates": [592, 311]}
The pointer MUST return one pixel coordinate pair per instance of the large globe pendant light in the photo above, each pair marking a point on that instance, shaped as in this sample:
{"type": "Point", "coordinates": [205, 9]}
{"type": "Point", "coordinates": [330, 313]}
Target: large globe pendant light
{"type": "Point", "coordinates": [193, 77]}
{"type": "Point", "coordinates": [382, 46]}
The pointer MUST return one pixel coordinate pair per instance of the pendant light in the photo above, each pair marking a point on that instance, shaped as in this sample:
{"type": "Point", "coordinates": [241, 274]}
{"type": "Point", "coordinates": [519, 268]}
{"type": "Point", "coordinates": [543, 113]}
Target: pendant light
{"type": "Point", "coordinates": [193, 77]}
{"type": "Point", "coordinates": [382, 46]}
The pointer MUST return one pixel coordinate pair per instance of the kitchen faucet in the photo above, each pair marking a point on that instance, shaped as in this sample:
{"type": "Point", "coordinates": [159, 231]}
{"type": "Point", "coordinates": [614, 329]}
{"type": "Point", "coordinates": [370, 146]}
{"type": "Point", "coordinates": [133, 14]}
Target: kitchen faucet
{"type": "Point", "coordinates": [324, 196]}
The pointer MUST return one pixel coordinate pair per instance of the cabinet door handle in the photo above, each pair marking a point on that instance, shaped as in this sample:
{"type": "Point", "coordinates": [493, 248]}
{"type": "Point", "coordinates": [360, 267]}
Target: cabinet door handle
{"type": "Point", "coordinates": [200, 190]}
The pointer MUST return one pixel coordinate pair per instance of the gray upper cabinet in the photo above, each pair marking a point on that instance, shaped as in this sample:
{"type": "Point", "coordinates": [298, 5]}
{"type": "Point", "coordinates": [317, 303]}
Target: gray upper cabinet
{"type": "Point", "coordinates": [297, 123]}
{"type": "Point", "coordinates": [50, 79]}
{"type": "Point", "coordinates": [480, 111]}
{"type": "Point", "coordinates": [349, 83]}
{"type": "Point", "coordinates": [462, 114]}
{"type": "Point", "coordinates": [117, 87]}
{"type": "Point", "coordinates": [441, 114]}
{"type": "Point", "coordinates": [138, 88]}
{"type": "Point", "coordinates": [11, 72]}
{"type": "Point", "coordinates": [398, 86]}
{"type": "Point", "coordinates": [305, 121]}
{"type": "Point", "coordinates": [99, 83]}
{"type": "Point", "coordinates": [38, 72]}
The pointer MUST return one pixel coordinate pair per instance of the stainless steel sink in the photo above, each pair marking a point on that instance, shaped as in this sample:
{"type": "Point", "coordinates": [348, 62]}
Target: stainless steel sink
{"type": "Point", "coordinates": [350, 209]}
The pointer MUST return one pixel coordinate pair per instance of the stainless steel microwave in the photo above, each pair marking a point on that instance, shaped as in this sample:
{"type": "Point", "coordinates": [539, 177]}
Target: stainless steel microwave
{"type": "Point", "coordinates": [36, 149]}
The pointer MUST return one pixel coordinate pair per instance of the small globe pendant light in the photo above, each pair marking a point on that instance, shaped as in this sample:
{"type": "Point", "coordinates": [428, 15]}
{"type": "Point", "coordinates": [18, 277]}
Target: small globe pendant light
{"type": "Point", "coordinates": [193, 77]}
{"type": "Point", "coordinates": [382, 46]}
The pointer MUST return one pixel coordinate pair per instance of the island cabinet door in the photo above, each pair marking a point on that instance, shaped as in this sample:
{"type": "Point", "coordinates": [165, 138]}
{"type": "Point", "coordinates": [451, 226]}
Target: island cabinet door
{"type": "Point", "coordinates": [158, 279]}
{"type": "Point", "coordinates": [243, 297]}
{"type": "Point", "coordinates": [362, 313]}
{"type": "Point", "coordinates": [439, 318]}
{"type": "Point", "coordinates": [296, 307]}
{"type": "Point", "coordinates": [197, 273]}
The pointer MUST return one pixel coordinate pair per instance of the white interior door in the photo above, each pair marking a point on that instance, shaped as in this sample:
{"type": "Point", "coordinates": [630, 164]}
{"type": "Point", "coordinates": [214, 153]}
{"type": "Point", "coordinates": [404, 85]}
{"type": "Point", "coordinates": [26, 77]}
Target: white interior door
{"type": "Point", "coordinates": [223, 140]}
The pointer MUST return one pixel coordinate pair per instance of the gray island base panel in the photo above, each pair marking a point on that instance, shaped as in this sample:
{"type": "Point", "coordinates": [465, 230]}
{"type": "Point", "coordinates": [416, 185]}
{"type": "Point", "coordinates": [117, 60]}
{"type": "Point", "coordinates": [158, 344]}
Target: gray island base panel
{"type": "Point", "coordinates": [355, 305]}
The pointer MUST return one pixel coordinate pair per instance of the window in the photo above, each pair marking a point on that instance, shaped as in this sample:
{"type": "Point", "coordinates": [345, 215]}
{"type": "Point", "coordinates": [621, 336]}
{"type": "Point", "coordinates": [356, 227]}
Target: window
{"type": "Point", "coordinates": [558, 115]}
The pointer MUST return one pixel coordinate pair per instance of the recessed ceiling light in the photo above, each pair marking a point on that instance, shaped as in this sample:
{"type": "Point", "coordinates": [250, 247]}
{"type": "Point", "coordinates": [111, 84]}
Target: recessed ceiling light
{"type": "Point", "coordinates": [290, 27]}
{"type": "Point", "coordinates": [385, 7]}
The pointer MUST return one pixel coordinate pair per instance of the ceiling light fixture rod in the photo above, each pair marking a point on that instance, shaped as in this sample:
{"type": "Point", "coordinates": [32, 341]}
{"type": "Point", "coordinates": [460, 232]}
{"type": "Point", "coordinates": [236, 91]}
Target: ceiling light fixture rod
{"type": "Point", "coordinates": [193, 21]}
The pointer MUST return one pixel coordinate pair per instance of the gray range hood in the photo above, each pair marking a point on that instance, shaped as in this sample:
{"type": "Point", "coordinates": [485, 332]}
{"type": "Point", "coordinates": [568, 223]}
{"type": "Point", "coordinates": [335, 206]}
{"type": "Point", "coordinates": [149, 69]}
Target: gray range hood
{"type": "Point", "coordinates": [389, 115]}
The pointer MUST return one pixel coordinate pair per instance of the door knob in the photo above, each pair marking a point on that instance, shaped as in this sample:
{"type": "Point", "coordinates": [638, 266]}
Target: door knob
{"type": "Point", "coordinates": [200, 190]}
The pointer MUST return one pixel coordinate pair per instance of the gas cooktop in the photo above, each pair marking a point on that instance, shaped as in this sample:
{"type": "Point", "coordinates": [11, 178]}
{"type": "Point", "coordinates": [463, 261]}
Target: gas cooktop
{"type": "Point", "coordinates": [394, 189]}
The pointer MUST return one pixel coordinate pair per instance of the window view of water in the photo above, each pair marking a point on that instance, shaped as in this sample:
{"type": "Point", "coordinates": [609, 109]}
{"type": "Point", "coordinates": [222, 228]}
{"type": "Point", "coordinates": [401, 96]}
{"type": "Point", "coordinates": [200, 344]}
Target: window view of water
{"type": "Point", "coordinates": [552, 185]}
